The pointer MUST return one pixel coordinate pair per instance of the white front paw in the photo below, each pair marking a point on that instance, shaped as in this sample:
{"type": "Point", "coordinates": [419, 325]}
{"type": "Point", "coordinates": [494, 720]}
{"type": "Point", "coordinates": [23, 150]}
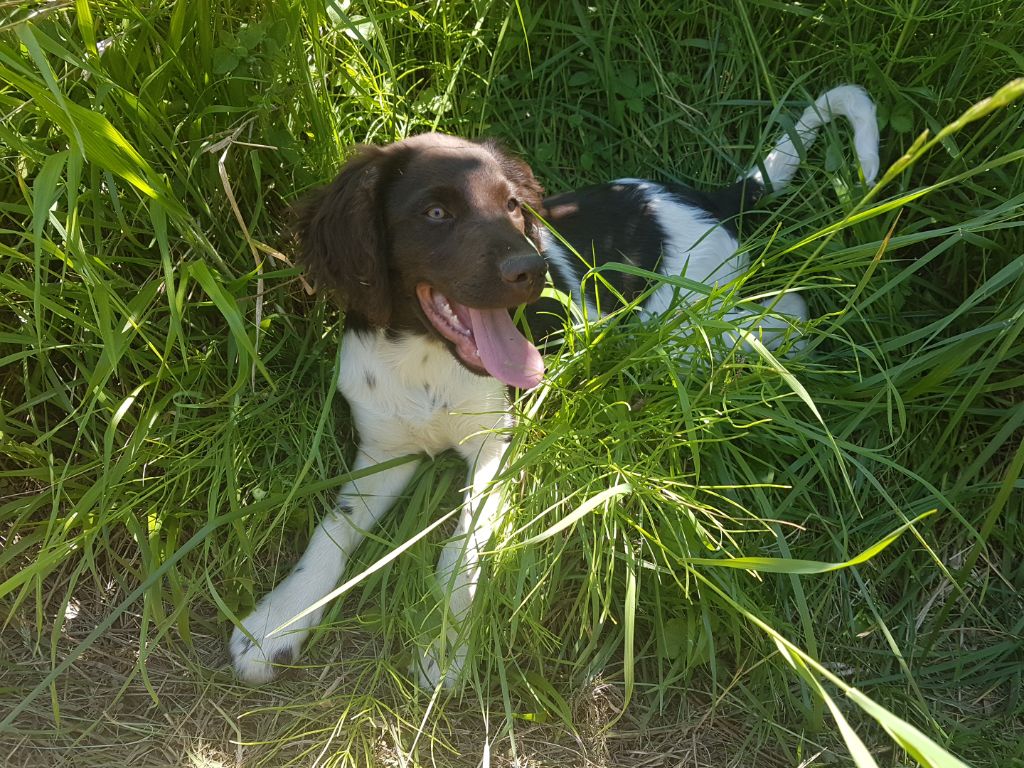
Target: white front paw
{"type": "Point", "coordinates": [257, 657]}
{"type": "Point", "coordinates": [437, 665]}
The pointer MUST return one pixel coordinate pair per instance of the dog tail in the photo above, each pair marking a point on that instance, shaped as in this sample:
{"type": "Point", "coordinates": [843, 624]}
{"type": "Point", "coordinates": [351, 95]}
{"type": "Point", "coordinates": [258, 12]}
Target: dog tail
{"type": "Point", "coordinates": [849, 101]}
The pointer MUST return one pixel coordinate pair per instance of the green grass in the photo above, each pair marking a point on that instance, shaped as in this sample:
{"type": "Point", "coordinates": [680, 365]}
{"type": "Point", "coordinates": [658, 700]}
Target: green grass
{"type": "Point", "coordinates": [169, 434]}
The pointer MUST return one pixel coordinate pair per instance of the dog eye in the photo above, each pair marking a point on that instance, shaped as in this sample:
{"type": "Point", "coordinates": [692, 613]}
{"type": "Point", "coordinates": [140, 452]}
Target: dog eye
{"type": "Point", "coordinates": [436, 213]}
{"type": "Point", "coordinates": [513, 204]}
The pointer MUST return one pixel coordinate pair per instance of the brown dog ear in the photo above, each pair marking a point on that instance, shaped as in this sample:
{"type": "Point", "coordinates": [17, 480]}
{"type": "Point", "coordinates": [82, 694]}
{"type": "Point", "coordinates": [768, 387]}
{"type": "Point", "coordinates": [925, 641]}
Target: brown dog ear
{"type": "Point", "coordinates": [343, 243]}
{"type": "Point", "coordinates": [527, 189]}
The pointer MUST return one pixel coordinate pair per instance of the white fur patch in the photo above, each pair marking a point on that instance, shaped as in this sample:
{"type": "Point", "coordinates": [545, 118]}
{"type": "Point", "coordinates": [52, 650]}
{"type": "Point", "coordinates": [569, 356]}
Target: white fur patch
{"type": "Point", "coordinates": [409, 393]}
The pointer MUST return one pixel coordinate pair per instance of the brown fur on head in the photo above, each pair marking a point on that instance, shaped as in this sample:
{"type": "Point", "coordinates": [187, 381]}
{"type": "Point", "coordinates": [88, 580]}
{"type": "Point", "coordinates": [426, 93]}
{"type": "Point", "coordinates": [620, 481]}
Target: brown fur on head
{"type": "Point", "coordinates": [433, 209]}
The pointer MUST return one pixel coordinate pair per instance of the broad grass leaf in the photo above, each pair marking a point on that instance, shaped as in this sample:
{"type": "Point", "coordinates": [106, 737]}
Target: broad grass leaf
{"type": "Point", "coordinates": [806, 567]}
{"type": "Point", "coordinates": [917, 744]}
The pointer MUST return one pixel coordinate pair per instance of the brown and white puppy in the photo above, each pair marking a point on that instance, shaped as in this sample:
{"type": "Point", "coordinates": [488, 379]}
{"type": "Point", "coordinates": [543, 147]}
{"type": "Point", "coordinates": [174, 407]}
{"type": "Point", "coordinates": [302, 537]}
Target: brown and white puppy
{"type": "Point", "coordinates": [429, 243]}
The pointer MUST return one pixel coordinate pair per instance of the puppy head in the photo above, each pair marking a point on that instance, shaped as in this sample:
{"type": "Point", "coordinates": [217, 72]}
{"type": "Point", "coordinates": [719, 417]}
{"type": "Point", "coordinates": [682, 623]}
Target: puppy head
{"type": "Point", "coordinates": [435, 235]}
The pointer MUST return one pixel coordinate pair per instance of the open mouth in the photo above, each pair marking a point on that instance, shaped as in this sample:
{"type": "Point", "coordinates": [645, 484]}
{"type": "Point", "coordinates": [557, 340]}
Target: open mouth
{"type": "Point", "coordinates": [485, 339]}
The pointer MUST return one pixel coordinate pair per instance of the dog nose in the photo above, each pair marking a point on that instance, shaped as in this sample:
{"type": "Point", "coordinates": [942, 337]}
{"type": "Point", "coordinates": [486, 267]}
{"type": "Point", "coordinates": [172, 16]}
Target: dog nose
{"type": "Point", "coordinates": [523, 270]}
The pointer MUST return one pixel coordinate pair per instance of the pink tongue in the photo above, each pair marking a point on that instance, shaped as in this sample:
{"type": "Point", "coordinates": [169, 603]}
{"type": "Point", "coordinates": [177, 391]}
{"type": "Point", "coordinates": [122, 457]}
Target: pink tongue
{"type": "Point", "coordinates": [504, 351]}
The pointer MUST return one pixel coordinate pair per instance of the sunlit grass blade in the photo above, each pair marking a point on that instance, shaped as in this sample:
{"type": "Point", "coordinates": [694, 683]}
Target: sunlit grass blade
{"type": "Point", "coordinates": [806, 567]}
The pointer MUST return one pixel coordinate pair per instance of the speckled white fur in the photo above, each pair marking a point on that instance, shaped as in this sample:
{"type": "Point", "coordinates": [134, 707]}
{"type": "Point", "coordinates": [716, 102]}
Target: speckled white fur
{"type": "Point", "coordinates": [408, 394]}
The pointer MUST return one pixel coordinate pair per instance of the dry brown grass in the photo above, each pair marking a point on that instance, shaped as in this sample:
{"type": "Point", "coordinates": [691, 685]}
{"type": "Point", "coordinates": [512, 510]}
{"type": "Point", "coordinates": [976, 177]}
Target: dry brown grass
{"type": "Point", "coordinates": [188, 711]}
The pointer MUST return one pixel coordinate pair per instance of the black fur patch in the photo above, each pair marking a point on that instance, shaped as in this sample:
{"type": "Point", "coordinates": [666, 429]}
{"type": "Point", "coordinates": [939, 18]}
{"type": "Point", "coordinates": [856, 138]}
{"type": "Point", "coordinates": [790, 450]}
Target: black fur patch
{"type": "Point", "coordinates": [609, 223]}
{"type": "Point", "coordinates": [617, 223]}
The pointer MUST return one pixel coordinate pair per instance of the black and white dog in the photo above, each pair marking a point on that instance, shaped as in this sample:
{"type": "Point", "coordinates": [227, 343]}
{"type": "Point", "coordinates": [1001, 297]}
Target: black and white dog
{"type": "Point", "coordinates": [429, 243]}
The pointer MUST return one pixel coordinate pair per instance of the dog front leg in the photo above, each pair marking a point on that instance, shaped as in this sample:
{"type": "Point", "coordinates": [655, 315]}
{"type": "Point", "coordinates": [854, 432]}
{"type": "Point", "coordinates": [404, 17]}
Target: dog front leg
{"type": "Point", "coordinates": [257, 650]}
{"type": "Point", "coordinates": [458, 568]}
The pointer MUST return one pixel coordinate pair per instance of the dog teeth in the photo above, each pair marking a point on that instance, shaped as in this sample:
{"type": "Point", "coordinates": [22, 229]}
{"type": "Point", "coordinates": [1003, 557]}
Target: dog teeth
{"type": "Point", "coordinates": [445, 309]}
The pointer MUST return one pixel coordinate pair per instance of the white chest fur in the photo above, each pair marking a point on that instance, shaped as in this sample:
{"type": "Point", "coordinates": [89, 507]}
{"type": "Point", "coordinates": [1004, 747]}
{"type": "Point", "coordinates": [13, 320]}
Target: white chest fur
{"type": "Point", "coordinates": [408, 392]}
